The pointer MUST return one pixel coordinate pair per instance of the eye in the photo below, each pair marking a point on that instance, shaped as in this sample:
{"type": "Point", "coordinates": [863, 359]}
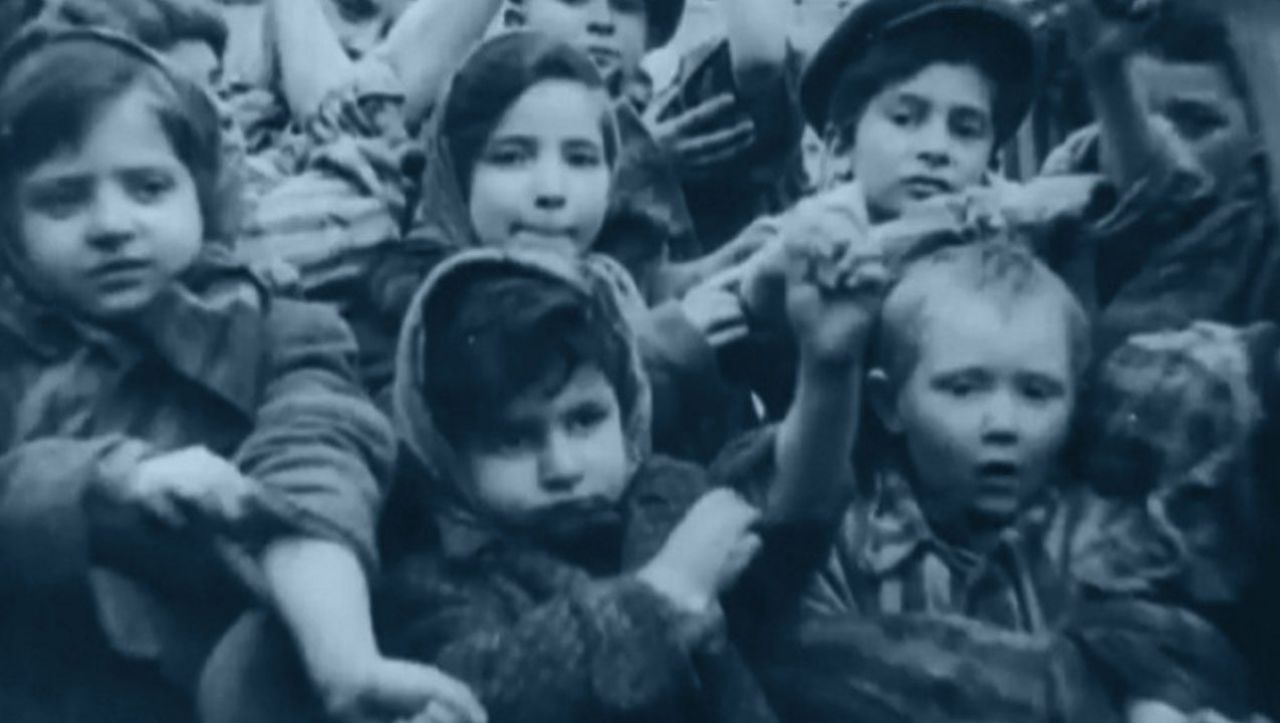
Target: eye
{"type": "Point", "coordinates": [150, 186]}
{"type": "Point", "coordinates": [1194, 121]}
{"type": "Point", "coordinates": [583, 157]}
{"type": "Point", "coordinates": [585, 419]}
{"type": "Point", "coordinates": [507, 155]}
{"type": "Point", "coordinates": [1040, 389]}
{"type": "Point", "coordinates": [511, 441]}
{"type": "Point", "coordinates": [970, 126]}
{"type": "Point", "coordinates": [961, 386]}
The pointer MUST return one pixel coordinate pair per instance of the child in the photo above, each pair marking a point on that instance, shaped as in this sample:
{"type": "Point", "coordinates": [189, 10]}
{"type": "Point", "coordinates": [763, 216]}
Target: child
{"type": "Point", "coordinates": [920, 109]}
{"type": "Point", "coordinates": [969, 581]}
{"type": "Point", "coordinates": [173, 438]}
{"type": "Point", "coordinates": [1210, 251]}
{"type": "Point", "coordinates": [575, 577]}
{"type": "Point", "coordinates": [729, 129]}
{"type": "Point", "coordinates": [521, 152]}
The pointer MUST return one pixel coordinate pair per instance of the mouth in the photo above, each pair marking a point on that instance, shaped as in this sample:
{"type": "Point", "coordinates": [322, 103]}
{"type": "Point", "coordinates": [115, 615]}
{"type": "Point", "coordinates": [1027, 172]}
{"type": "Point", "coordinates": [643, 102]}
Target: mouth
{"type": "Point", "coordinates": [922, 187]}
{"type": "Point", "coordinates": [998, 472]}
{"type": "Point", "coordinates": [543, 234]}
{"type": "Point", "coordinates": [119, 273]}
{"type": "Point", "coordinates": [603, 56]}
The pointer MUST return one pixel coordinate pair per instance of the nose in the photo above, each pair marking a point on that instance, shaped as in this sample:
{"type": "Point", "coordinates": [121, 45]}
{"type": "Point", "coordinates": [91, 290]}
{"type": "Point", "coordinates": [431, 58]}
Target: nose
{"type": "Point", "coordinates": [601, 20]}
{"type": "Point", "coordinates": [559, 466]}
{"type": "Point", "coordinates": [549, 184]}
{"type": "Point", "coordinates": [999, 419]}
{"type": "Point", "coordinates": [935, 144]}
{"type": "Point", "coordinates": [110, 220]}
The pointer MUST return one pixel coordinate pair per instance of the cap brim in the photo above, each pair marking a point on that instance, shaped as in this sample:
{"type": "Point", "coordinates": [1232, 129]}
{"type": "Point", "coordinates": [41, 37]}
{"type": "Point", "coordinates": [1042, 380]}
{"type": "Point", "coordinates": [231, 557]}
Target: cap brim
{"type": "Point", "coordinates": [851, 38]}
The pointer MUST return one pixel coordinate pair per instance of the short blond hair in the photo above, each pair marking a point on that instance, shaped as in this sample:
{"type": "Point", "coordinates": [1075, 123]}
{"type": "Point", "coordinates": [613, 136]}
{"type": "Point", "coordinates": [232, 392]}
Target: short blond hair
{"type": "Point", "coordinates": [999, 271]}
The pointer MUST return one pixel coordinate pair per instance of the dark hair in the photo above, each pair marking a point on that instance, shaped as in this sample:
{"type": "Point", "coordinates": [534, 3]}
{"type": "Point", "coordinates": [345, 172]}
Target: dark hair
{"type": "Point", "coordinates": [160, 24]}
{"type": "Point", "coordinates": [1184, 32]}
{"type": "Point", "coordinates": [902, 53]}
{"type": "Point", "coordinates": [494, 336]}
{"type": "Point", "coordinates": [54, 86]}
{"type": "Point", "coordinates": [494, 78]}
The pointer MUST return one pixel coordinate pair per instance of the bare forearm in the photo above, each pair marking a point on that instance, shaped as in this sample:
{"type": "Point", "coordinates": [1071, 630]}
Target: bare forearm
{"type": "Point", "coordinates": [426, 42]}
{"type": "Point", "coordinates": [815, 442]}
{"type": "Point", "coordinates": [1130, 147]}
{"type": "Point", "coordinates": [322, 596]}
{"type": "Point", "coordinates": [310, 56]}
{"type": "Point", "coordinates": [756, 40]}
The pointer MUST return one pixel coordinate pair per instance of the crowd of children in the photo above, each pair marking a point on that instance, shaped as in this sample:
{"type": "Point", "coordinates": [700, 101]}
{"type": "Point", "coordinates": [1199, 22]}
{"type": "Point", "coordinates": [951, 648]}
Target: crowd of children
{"type": "Point", "coordinates": [443, 369]}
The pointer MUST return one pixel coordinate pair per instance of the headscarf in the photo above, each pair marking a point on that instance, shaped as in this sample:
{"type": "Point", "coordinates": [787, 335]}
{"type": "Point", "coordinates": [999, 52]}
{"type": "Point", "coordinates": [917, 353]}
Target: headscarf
{"type": "Point", "coordinates": [413, 418]}
{"type": "Point", "coordinates": [488, 82]}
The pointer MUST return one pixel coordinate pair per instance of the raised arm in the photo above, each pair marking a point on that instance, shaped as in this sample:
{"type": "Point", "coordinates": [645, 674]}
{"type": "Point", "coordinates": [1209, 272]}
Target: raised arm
{"type": "Point", "coordinates": [426, 44]}
{"type": "Point", "coordinates": [757, 31]}
{"type": "Point", "coordinates": [308, 55]}
{"type": "Point", "coordinates": [1131, 149]}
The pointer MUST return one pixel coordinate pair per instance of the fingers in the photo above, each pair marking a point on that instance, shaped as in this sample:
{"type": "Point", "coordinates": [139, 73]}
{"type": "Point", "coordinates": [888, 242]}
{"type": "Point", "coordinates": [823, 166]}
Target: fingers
{"type": "Point", "coordinates": [727, 335]}
{"type": "Point", "coordinates": [452, 695]}
{"type": "Point", "coordinates": [703, 113]}
{"type": "Point", "coordinates": [716, 147]}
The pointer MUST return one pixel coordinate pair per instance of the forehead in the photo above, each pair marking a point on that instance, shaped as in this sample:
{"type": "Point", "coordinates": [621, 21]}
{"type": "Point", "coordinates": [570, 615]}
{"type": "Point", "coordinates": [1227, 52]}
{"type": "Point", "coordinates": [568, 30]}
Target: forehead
{"type": "Point", "coordinates": [556, 108]}
{"type": "Point", "coordinates": [551, 396]}
{"type": "Point", "coordinates": [125, 132]}
{"type": "Point", "coordinates": [960, 85]}
{"type": "Point", "coordinates": [1163, 80]}
{"type": "Point", "coordinates": [961, 329]}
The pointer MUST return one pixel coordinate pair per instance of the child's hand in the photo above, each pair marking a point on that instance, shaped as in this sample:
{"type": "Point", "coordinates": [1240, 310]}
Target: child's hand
{"type": "Point", "coordinates": [706, 553]}
{"type": "Point", "coordinates": [714, 308]}
{"type": "Point", "coordinates": [835, 279]}
{"type": "Point", "coordinates": [1107, 30]}
{"type": "Point", "coordinates": [388, 690]}
{"type": "Point", "coordinates": [692, 139]}
{"type": "Point", "coordinates": [194, 487]}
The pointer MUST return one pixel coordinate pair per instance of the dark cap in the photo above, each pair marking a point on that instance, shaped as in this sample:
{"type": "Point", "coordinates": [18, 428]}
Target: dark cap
{"type": "Point", "coordinates": [991, 23]}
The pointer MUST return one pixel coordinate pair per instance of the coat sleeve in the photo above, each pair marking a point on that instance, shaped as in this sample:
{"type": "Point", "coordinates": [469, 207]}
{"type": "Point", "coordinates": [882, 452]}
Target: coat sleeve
{"type": "Point", "coordinates": [604, 651]}
{"type": "Point", "coordinates": [45, 534]}
{"type": "Point", "coordinates": [792, 557]}
{"type": "Point", "coordinates": [345, 193]}
{"type": "Point", "coordinates": [319, 445]}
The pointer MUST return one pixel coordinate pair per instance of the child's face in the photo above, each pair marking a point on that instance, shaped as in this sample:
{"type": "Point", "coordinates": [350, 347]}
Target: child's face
{"type": "Point", "coordinates": [928, 135]}
{"type": "Point", "coordinates": [107, 225]}
{"type": "Point", "coordinates": [542, 179]}
{"type": "Point", "coordinates": [566, 450]}
{"type": "Point", "coordinates": [1199, 102]}
{"type": "Point", "coordinates": [986, 409]}
{"type": "Point", "coordinates": [613, 33]}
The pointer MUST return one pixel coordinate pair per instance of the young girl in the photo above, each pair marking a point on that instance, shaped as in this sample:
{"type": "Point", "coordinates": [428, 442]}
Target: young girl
{"type": "Point", "coordinates": [173, 440]}
{"type": "Point", "coordinates": [521, 154]}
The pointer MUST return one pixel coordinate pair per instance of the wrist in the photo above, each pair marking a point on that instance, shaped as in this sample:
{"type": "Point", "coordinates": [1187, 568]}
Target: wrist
{"type": "Point", "coordinates": [683, 596]}
{"type": "Point", "coordinates": [832, 364]}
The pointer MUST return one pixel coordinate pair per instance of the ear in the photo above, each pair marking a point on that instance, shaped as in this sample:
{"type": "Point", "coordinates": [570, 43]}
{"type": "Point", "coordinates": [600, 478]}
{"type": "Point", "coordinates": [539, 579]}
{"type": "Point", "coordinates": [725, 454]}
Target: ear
{"type": "Point", "coordinates": [513, 17]}
{"type": "Point", "coordinates": [884, 400]}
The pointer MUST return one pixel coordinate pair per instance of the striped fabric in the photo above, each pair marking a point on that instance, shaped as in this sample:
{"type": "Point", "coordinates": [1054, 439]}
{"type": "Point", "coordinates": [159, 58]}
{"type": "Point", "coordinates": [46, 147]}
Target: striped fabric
{"type": "Point", "coordinates": [1064, 618]}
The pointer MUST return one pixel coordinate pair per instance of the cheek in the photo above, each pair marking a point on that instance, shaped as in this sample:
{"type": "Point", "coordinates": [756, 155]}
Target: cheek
{"type": "Point", "coordinates": [503, 486]}
{"type": "Point", "coordinates": [610, 466]}
{"type": "Point", "coordinates": [591, 193]}
{"type": "Point", "coordinates": [1048, 428]}
{"type": "Point", "coordinates": [491, 205]}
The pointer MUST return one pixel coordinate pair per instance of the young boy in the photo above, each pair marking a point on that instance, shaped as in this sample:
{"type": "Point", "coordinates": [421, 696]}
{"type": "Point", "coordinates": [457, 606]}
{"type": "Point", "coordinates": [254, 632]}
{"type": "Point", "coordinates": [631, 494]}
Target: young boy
{"type": "Point", "coordinates": [574, 577]}
{"type": "Point", "coordinates": [1209, 253]}
{"type": "Point", "coordinates": [967, 581]}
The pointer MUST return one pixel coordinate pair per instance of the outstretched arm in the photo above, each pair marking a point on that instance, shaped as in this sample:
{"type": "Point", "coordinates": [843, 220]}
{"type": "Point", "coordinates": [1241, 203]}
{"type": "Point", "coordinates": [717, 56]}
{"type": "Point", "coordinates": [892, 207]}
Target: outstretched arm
{"type": "Point", "coordinates": [426, 43]}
